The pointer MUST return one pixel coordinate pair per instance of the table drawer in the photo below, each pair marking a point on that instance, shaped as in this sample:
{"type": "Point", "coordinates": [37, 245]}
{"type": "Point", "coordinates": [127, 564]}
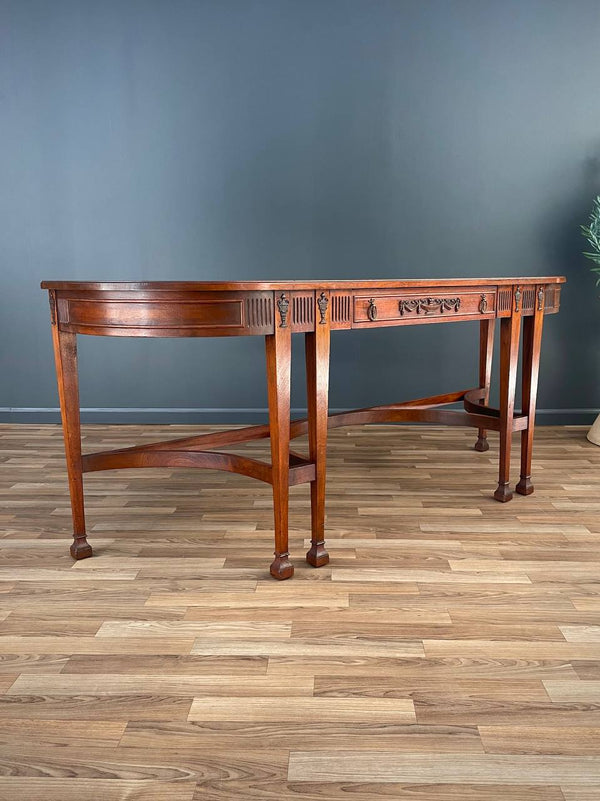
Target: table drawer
{"type": "Point", "coordinates": [413, 307]}
{"type": "Point", "coordinates": [159, 314]}
{"type": "Point", "coordinates": [136, 314]}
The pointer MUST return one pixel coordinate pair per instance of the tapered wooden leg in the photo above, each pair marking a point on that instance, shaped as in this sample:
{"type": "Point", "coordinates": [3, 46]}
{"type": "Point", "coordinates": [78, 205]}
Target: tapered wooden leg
{"type": "Point", "coordinates": [486, 351]}
{"type": "Point", "coordinates": [317, 388]}
{"type": "Point", "coordinates": [65, 355]}
{"type": "Point", "coordinates": [532, 340]}
{"type": "Point", "coordinates": [278, 380]}
{"type": "Point", "coordinates": [510, 328]}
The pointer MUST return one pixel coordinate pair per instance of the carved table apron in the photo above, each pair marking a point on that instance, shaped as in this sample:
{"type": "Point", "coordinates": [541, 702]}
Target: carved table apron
{"type": "Point", "coordinates": [276, 310]}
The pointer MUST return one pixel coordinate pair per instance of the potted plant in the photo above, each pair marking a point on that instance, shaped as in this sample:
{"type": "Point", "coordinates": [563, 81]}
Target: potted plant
{"type": "Point", "coordinates": [592, 233]}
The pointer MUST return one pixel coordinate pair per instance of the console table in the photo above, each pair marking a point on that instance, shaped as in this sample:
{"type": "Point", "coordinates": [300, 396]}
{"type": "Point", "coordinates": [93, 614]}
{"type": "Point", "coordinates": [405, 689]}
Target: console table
{"type": "Point", "coordinates": [276, 310]}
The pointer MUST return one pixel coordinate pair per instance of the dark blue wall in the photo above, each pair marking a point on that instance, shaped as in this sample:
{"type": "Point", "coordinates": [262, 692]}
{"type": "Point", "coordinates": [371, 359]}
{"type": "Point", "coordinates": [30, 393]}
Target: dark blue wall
{"type": "Point", "coordinates": [193, 139]}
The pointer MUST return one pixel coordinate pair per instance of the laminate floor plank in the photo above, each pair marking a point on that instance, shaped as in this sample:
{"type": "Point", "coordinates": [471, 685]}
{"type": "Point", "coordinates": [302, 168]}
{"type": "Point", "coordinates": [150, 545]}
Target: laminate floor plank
{"type": "Point", "coordinates": [323, 646]}
{"type": "Point", "coordinates": [562, 615]}
{"type": "Point", "coordinates": [591, 793]}
{"type": "Point", "coordinates": [437, 710]}
{"type": "Point", "coordinates": [581, 633]}
{"type": "Point", "coordinates": [12, 643]}
{"type": "Point", "coordinates": [14, 573]}
{"type": "Point", "coordinates": [511, 576]}
{"type": "Point", "coordinates": [374, 791]}
{"type": "Point", "coordinates": [145, 764]}
{"type": "Point", "coordinates": [423, 687]}
{"type": "Point", "coordinates": [420, 668]}
{"type": "Point", "coordinates": [512, 649]}
{"type": "Point", "coordinates": [174, 665]}
{"type": "Point", "coordinates": [298, 735]}
{"type": "Point", "coordinates": [24, 664]}
{"type": "Point", "coordinates": [390, 766]}
{"type": "Point", "coordinates": [573, 691]}
{"type": "Point", "coordinates": [130, 684]}
{"type": "Point", "coordinates": [44, 625]}
{"type": "Point", "coordinates": [80, 733]}
{"type": "Point", "coordinates": [239, 600]}
{"type": "Point", "coordinates": [142, 563]}
{"type": "Point", "coordinates": [304, 710]}
{"type": "Point", "coordinates": [49, 788]}
{"type": "Point", "coordinates": [54, 611]}
{"type": "Point", "coordinates": [186, 629]}
{"type": "Point", "coordinates": [412, 629]}
{"type": "Point", "coordinates": [566, 740]}
{"type": "Point", "coordinates": [95, 707]}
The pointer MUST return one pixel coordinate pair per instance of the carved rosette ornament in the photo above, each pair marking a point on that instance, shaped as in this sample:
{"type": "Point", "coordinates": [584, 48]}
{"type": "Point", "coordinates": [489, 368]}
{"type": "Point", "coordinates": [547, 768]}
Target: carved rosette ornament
{"type": "Point", "coordinates": [540, 297]}
{"type": "Point", "coordinates": [429, 305]}
{"type": "Point", "coordinates": [483, 304]}
{"type": "Point", "coordinates": [518, 299]}
{"type": "Point", "coordinates": [283, 305]}
{"type": "Point", "coordinates": [322, 303]}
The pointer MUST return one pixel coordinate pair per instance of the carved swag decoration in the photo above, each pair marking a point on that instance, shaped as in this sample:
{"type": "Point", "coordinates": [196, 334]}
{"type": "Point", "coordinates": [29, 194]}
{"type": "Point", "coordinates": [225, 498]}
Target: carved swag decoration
{"type": "Point", "coordinates": [429, 305]}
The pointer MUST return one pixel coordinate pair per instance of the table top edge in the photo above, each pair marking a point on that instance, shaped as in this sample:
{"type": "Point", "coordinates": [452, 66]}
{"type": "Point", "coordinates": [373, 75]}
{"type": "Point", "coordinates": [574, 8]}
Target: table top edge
{"type": "Point", "coordinates": [224, 286]}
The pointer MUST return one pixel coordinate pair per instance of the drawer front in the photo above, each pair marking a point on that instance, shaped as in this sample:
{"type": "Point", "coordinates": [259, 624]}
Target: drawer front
{"type": "Point", "coordinates": [148, 314]}
{"type": "Point", "coordinates": [406, 308]}
{"type": "Point", "coordinates": [206, 314]}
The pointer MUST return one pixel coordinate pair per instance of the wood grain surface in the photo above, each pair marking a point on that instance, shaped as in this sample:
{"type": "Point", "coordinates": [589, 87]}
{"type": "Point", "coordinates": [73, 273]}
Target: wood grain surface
{"type": "Point", "coordinates": [450, 651]}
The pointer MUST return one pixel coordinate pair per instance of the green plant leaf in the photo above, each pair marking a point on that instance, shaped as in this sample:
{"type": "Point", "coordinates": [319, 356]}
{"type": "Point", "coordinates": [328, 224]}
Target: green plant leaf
{"type": "Point", "coordinates": [591, 232]}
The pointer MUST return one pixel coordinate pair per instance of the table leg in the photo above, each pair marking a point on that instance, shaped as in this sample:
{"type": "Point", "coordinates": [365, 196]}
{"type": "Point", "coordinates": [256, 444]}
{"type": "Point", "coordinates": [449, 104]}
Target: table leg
{"type": "Point", "coordinates": [486, 350]}
{"type": "Point", "coordinates": [65, 355]}
{"type": "Point", "coordinates": [317, 388]}
{"type": "Point", "coordinates": [532, 340]}
{"type": "Point", "coordinates": [510, 328]}
{"type": "Point", "coordinates": [278, 346]}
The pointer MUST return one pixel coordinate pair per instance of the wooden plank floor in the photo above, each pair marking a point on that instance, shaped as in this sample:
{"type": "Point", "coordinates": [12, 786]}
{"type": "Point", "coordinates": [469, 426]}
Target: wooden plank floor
{"type": "Point", "coordinates": [450, 650]}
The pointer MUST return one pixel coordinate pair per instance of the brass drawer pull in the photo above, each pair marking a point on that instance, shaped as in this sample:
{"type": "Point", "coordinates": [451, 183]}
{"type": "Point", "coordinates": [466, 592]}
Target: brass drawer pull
{"type": "Point", "coordinates": [372, 310]}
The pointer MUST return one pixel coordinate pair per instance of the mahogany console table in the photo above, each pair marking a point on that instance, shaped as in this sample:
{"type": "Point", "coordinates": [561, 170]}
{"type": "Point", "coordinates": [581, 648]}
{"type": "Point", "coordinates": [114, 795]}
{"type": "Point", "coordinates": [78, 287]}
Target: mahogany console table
{"type": "Point", "coordinates": [276, 310]}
